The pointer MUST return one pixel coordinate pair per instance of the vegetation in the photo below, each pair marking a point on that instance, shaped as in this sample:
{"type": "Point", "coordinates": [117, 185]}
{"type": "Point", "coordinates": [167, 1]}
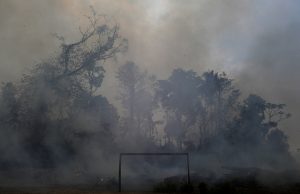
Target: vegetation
{"type": "Point", "coordinates": [55, 114]}
{"type": "Point", "coordinates": [227, 186]}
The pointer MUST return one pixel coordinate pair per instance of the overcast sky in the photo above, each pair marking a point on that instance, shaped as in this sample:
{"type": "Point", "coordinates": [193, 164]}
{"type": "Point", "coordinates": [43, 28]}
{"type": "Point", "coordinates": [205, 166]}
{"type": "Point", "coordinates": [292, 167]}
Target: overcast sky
{"type": "Point", "coordinates": [256, 42]}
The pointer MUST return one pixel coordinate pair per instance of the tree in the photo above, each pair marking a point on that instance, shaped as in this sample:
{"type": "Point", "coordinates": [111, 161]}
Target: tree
{"type": "Point", "coordinates": [61, 91]}
{"type": "Point", "coordinates": [254, 132]}
{"type": "Point", "coordinates": [9, 124]}
{"type": "Point", "coordinates": [178, 96]}
{"type": "Point", "coordinates": [136, 95]}
{"type": "Point", "coordinates": [218, 105]}
{"type": "Point", "coordinates": [196, 107]}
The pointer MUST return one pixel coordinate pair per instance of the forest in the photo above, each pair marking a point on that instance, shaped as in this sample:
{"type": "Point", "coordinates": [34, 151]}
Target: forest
{"type": "Point", "coordinates": [55, 118]}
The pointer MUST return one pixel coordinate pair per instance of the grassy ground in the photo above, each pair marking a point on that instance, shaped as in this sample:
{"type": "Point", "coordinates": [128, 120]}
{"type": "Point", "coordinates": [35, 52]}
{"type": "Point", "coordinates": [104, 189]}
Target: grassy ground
{"type": "Point", "coordinates": [220, 189]}
{"type": "Point", "coordinates": [224, 187]}
{"type": "Point", "coordinates": [56, 191]}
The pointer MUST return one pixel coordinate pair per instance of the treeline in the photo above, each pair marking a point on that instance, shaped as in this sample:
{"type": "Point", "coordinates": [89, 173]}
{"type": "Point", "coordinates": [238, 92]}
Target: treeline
{"type": "Point", "coordinates": [55, 114]}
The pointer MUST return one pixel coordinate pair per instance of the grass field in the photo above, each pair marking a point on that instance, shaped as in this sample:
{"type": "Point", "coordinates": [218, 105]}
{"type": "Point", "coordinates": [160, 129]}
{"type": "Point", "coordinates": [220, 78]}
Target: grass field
{"type": "Point", "coordinates": [223, 188]}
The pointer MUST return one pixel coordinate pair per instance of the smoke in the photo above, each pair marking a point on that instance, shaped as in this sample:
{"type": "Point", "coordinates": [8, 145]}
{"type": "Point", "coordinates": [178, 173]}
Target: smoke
{"type": "Point", "coordinates": [273, 60]}
{"type": "Point", "coordinates": [255, 42]}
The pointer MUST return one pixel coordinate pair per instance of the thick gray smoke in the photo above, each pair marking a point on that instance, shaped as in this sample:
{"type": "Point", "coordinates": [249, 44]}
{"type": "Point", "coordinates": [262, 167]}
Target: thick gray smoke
{"type": "Point", "coordinates": [255, 42]}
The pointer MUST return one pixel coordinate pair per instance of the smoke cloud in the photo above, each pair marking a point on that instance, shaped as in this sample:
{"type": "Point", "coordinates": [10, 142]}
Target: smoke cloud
{"type": "Point", "coordinates": [256, 42]}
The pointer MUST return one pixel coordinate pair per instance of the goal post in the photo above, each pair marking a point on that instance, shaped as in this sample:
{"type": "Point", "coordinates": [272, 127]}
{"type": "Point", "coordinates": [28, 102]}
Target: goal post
{"type": "Point", "coordinates": [153, 154]}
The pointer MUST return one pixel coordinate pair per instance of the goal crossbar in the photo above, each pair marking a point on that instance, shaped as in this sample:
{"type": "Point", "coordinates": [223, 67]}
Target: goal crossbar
{"type": "Point", "coordinates": [154, 154]}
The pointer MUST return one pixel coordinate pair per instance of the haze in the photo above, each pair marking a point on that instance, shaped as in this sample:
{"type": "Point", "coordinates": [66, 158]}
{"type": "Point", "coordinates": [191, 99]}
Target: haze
{"type": "Point", "coordinates": [256, 42]}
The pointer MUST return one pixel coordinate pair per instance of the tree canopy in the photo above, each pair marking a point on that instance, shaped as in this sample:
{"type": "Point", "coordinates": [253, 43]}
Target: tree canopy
{"type": "Point", "coordinates": [55, 114]}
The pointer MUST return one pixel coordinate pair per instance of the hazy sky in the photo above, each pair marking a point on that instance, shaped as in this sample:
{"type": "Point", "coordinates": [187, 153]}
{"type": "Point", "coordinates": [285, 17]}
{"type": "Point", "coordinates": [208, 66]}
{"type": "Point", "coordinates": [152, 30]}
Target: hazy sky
{"type": "Point", "coordinates": [256, 42]}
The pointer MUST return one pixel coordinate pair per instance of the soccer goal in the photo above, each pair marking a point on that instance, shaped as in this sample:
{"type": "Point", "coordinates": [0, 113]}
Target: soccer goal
{"type": "Point", "coordinates": [122, 155]}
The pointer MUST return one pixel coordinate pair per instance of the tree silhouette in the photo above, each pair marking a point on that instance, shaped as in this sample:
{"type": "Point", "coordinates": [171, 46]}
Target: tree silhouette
{"type": "Point", "coordinates": [55, 115]}
{"type": "Point", "coordinates": [179, 97]}
{"type": "Point", "coordinates": [56, 104]}
{"type": "Point", "coordinates": [218, 105]}
{"type": "Point", "coordinates": [254, 132]}
{"type": "Point", "coordinates": [136, 96]}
